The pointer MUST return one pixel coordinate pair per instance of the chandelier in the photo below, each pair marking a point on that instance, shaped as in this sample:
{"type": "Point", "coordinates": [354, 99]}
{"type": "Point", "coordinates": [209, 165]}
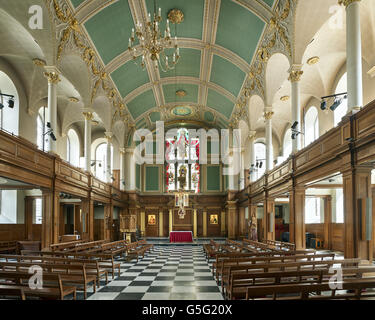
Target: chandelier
{"type": "Point", "coordinates": [151, 42]}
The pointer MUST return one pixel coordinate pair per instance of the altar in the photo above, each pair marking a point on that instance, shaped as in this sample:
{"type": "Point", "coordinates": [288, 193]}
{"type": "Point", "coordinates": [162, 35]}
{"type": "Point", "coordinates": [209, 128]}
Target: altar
{"type": "Point", "coordinates": [180, 236]}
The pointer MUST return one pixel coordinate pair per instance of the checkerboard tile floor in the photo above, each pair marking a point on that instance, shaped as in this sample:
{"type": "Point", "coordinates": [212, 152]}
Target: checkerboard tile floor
{"type": "Point", "coordinates": [166, 273]}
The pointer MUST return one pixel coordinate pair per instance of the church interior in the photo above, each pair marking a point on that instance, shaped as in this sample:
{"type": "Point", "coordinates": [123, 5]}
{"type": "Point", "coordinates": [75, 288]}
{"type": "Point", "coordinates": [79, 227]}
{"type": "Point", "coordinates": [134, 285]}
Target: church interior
{"type": "Point", "coordinates": [187, 150]}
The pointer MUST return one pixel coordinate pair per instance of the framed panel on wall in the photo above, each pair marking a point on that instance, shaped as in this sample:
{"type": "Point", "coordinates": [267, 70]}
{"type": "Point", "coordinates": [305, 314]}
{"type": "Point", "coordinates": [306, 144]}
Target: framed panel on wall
{"type": "Point", "coordinates": [214, 219]}
{"type": "Point", "coordinates": [151, 220]}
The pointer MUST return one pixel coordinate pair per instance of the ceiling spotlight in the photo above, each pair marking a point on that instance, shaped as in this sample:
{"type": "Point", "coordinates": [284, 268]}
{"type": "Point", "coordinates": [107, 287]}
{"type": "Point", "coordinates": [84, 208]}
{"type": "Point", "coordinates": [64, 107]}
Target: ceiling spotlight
{"type": "Point", "coordinates": [11, 103]}
{"type": "Point", "coordinates": [1, 106]}
{"type": "Point", "coordinates": [336, 104]}
{"type": "Point", "coordinates": [293, 136]}
{"type": "Point", "coordinates": [294, 126]}
{"type": "Point", "coordinates": [261, 165]}
{"type": "Point", "coordinates": [323, 105]}
{"type": "Point", "coordinates": [48, 125]}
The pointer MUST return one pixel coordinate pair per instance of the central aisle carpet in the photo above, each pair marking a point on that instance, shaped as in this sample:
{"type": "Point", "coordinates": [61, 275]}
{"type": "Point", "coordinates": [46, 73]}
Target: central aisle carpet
{"type": "Point", "coordinates": [167, 273]}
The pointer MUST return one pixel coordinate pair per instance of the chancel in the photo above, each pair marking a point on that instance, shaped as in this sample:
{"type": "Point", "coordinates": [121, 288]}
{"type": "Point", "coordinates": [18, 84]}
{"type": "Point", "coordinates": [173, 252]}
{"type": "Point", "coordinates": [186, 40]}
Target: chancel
{"type": "Point", "coordinates": [187, 150]}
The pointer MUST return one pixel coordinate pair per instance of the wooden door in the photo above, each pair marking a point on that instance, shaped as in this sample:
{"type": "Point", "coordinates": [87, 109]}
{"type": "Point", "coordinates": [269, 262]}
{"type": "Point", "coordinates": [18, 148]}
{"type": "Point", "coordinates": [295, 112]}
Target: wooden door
{"type": "Point", "coordinates": [152, 223]}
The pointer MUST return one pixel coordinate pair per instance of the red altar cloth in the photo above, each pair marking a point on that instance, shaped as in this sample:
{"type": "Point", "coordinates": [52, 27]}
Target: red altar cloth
{"type": "Point", "coordinates": [180, 236]}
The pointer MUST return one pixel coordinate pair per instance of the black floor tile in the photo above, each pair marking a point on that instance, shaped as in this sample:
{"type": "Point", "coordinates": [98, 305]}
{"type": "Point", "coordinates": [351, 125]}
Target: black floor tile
{"type": "Point", "coordinates": [159, 289]}
{"type": "Point", "coordinates": [130, 296]}
{"type": "Point", "coordinates": [208, 289]}
{"type": "Point", "coordinates": [141, 283]}
{"type": "Point", "coordinates": [183, 283]}
{"type": "Point", "coordinates": [111, 289]}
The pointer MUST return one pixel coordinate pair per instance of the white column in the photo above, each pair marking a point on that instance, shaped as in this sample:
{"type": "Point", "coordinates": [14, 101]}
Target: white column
{"type": "Point", "coordinates": [253, 160]}
{"type": "Point", "coordinates": [88, 120]}
{"type": "Point", "coordinates": [242, 172]}
{"type": "Point", "coordinates": [353, 54]}
{"type": "Point", "coordinates": [294, 78]}
{"type": "Point", "coordinates": [269, 146]}
{"type": "Point", "coordinates": [122, 168]}
{"type": "Point", "coordinates": [52, 74]}
{"type": "Point", "coordinates": [108, 160]}
{"type": "Point", "coordinates": [130, 169]}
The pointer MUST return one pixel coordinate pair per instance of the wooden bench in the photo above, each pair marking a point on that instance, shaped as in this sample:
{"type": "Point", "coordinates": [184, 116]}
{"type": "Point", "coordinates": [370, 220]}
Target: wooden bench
{"type": "Point", "coordinates": [14, 292]}
{"type": "Point", "coordinates": [53, 287]}
{"type": "Point", "coordinates": [137, 249]}
{"type": "Point", "coordinates": [65, 245]}
{"type": "Point", "coordinates": [106, 260]}
{"type": "Point", "coordinates": [223, 266]}
{"type": "Point", "coordinates": [286, 266]}
{"type": "Point", "coordinates": [211, 249]}
{"type": "Point", "coordinates": [281, 245]}
{"type": "Point", "coordinates": [8, 246]}
{"type": "Point", "coordinates": [239, 282]}
{"type": "Point", "coordinates": [71, 273]}
{"type": "Point", "coordinates": [355, 289]}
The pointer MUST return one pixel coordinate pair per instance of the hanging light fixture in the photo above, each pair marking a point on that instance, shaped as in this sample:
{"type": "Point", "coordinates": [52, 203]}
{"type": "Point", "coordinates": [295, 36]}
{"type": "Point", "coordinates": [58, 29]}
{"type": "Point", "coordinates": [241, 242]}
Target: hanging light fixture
{"type": "Point", "coordinates": [151, 42]}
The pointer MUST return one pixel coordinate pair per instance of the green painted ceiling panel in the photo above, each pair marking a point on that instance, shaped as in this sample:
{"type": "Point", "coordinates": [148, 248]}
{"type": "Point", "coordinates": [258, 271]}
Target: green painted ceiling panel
{"type": "Point", "coordinates": [155, 116]}
{"type": "Point", "coordinates": [208, 116]}
{"type": "Point", "coordinates": [77, 3]}
{"type": "Point", "coordinates": [220, 103]}
{"type": "Point", "coordinates": [239, 29]}
{"type": "Point", "coordinates": [227, 75]}
{"type": "Point", "coordinates": [129, 77]}
{"type": "Point", "coordinates": [110, 30]}
{"type": "Point", "coordinates": [188, 65]}
{"type": "Point", "coordinates": [269, 2]}
{"type": "Point", "coordinates": [190, 89]}
{"type": "Point", "coordinates": [192, 25]}
{"type": "Point", "coordinates": [141, 104]}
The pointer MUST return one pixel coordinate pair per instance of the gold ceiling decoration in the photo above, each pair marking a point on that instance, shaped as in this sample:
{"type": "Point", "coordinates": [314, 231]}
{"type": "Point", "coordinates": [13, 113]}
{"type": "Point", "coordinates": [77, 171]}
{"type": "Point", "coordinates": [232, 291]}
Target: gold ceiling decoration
{"type": "Point", "coordinates": [181, 93]}
{"type": "Point", "coordinates": [313, 60]}
{"type": "Point", "coordinates": [285, 98]}
{"type": "Point", "coordinates": [176, 16]}
{"type": "Point", "coordinates": [69, 33]}
{"type": "Point", "coordinates": [73, 99]}
{"type": "Point", "coordinates": [39, 62]}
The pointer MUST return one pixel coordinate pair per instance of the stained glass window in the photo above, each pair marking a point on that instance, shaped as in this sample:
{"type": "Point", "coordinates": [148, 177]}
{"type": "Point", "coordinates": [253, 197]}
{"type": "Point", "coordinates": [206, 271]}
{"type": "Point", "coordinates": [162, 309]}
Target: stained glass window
{"type": "Point", "coordinates": [182, 155]}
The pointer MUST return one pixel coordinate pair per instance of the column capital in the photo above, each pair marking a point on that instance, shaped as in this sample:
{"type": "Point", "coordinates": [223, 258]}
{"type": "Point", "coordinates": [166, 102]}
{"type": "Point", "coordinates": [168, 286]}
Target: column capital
{"type": "Point", "coordinates": [108, 136]}
{"type": "Point", "coordinates": [268, 115]}
{"type": "Point", "coordinates": [295, 73]}
{"type": "Point", "coordinates": [88, 115]}
{"type": "Point", "coordinates": [52, 74]}
{"type": "Point", "coordinates": [347, 3]}
{"type": "Point", "coordinates": [122, 150]}
{"type": "Point", "coordinates": [251, 135]}
{"type": "Point", "coordinates": [129, 150]}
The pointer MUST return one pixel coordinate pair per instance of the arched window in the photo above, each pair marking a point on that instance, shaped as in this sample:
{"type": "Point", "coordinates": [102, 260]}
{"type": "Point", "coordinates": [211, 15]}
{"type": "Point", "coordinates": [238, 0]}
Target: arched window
{"type": "Point", "coordinates": [260, 156]}
{"type": "Point", "coordinates": [101, 161]}
{"type": "Point", "coordinates": [342, 109]}
{"type": "Point", "coordinates": [186, 152]}
{"type": "Point", "coordinates": [311, 126]}
{"type": "Point", "coordinates": [41, 129]}
{"type": "Point", "coordinates": [72, 148]}
{"type": "Point", "coordinates": [9, 117]}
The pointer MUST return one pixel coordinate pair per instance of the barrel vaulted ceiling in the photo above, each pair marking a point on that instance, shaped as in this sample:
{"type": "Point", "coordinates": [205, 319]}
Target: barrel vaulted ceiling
{"type": "Point", "coordinates": [218, 41]}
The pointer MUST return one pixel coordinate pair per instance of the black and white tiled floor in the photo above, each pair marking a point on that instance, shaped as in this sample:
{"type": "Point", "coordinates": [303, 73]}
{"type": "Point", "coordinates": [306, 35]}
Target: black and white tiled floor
{"type": "Point", "coordinates": [166, 273]}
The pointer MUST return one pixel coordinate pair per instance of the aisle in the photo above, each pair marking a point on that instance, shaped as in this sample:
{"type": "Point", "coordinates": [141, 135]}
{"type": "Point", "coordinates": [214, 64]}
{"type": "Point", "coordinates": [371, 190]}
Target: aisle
{"type": "Point", "coordinates": [167, 273]}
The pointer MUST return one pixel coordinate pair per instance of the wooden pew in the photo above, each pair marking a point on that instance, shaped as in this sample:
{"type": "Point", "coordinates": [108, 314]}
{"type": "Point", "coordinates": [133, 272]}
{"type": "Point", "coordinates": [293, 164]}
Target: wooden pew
{"type": "Point", "coordinates": [239, 282]}
{"type": "Point", "coordinates": [224, 265]}
{"type": "Point", "coordinates": [137, 249]}
{"type": "Point", "coordinates": [71, 273]}
{"type": "Point", "coordinates": [14, 292]}
{"type": "Point", "coordinates": [355, 289]}
{"type": "Point", "coordinates": [65, 245]}
{"type": "Point", "coordinates": [106, 260]}
{"type": "Point", "coordinates": [285, 266]}
{"type": "Point", "coordinates": [8, 246]}
{"type": "Point", "coordinates": [53, 287]}
{"type": "Point", "coordinates": [280, 245]}
{"type": "Point", "coordinates": [211, 249]}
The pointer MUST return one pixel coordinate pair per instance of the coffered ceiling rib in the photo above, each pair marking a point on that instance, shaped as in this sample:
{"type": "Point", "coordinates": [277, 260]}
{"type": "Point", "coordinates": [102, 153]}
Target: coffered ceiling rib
{"type": "Point", "coordinates": [211, 17]}
{"type": "Point", "coordinates": [189, 44]}
{"type": "Point", "coordinates": [139, 13]}
{"type": "Point", "coordinates": [180, 80]}
{"type": "Point", "coordinates": [257, 7]}
{"type": "Point", "coordinates": [91, 7]}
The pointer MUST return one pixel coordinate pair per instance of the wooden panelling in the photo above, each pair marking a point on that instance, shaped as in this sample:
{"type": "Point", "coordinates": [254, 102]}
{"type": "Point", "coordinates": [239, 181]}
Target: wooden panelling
{"type": "Point", "coordinates": [338, 237]}
{"type": "Point", "coordinates": [12, 232]}
{"type": "Point", "coordinates": [316, 229]}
